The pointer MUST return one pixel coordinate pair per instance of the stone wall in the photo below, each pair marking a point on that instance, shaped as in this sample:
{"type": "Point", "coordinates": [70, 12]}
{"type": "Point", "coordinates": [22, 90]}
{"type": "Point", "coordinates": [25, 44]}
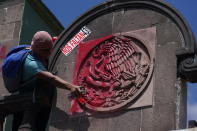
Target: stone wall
{"type": "Point", "coordinates": [11, 13]}
{"type": "Point", "coordinates": [166, 109]}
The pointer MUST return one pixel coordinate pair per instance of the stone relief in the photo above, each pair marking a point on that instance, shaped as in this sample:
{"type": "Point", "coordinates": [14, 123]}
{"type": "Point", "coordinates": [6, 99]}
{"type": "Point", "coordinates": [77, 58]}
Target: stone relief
{"type": "Point", "coordinates": [114, 72]}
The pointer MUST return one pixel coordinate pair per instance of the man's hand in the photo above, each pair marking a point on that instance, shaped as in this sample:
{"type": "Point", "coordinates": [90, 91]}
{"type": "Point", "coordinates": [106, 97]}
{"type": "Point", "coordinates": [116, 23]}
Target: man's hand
{"type": "Point", "coordinates": [77, 90]}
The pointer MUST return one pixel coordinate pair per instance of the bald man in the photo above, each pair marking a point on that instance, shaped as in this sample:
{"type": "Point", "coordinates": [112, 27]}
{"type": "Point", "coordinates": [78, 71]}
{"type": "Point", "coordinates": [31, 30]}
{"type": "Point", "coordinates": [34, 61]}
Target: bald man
{"type": "Point", "coordinates": [37, 77]}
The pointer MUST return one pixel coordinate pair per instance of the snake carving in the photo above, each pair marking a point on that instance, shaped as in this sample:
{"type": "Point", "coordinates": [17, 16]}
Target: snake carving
{"type": "Point", "coordinates": [113, 72]}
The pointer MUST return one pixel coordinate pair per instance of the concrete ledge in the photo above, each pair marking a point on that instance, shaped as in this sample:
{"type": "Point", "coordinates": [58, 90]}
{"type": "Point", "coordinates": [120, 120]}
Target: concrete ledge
{"type": "Point", "coordinates": [190, 129]}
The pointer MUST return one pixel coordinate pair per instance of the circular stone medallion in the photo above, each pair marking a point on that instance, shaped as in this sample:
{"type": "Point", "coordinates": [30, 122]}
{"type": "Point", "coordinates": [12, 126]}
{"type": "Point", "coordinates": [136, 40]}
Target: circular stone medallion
{"type": "Point", "coordinates": [115, 72]}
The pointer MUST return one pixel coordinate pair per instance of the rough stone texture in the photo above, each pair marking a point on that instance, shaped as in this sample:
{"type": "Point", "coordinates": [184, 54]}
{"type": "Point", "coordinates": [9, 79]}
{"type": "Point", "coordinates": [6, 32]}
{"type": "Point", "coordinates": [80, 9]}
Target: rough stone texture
{"type": "Point", "coordinates": [165, 76]}
{"type": "Point", "coordinates": [14, 13]}
{"type": "Point", "coordinates": [7, 31]}
{"type": "Point", "coordinates": [10, 25]}
{"type": "Point", "coordinates": [103, 23]}
{"type": "Point", "coordinates": [148, 118]}
{"type": "Point", "coordinates": [181, 109]}
{"type": "Point", "coordinates": [2, 15]}
{"type": "Point", "coordinates": [165, 113]}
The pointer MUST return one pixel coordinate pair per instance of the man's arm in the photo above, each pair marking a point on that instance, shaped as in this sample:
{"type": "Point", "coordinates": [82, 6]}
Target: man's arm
{"type": "Point", "coordinates": [57, 81]}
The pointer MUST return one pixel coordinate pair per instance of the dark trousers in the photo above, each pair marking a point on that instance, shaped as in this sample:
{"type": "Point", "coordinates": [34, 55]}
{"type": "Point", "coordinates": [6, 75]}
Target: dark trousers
{"type": "Point", "coordinates": [33, 119]}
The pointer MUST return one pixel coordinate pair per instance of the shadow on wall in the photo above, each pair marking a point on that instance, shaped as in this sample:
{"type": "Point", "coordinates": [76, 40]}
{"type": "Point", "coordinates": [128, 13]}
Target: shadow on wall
{"type": "Point", "coordinates": [63, 121]}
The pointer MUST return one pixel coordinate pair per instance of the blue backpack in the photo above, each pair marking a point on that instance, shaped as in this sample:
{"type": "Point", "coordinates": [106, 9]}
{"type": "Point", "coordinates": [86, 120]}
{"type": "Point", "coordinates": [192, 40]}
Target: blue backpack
{"type": "Point", "coordinates": [12, 67]}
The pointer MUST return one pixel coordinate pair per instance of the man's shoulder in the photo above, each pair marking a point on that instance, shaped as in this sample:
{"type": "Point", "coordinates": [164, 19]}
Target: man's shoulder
{"type": "Point", "coordinates": [33, 62]}
{"type": "Point", "coordinates": [31, 57]}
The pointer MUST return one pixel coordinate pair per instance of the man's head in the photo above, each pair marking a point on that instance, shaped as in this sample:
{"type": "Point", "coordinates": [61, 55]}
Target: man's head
{"type": "Point", "coordinates": [42, 44]}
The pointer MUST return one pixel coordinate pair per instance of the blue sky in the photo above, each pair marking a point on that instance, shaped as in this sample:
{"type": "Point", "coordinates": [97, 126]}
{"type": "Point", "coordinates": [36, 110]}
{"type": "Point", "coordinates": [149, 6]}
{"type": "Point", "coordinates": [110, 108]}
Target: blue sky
{"type": "Point", "coordinates": [69, 10]}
